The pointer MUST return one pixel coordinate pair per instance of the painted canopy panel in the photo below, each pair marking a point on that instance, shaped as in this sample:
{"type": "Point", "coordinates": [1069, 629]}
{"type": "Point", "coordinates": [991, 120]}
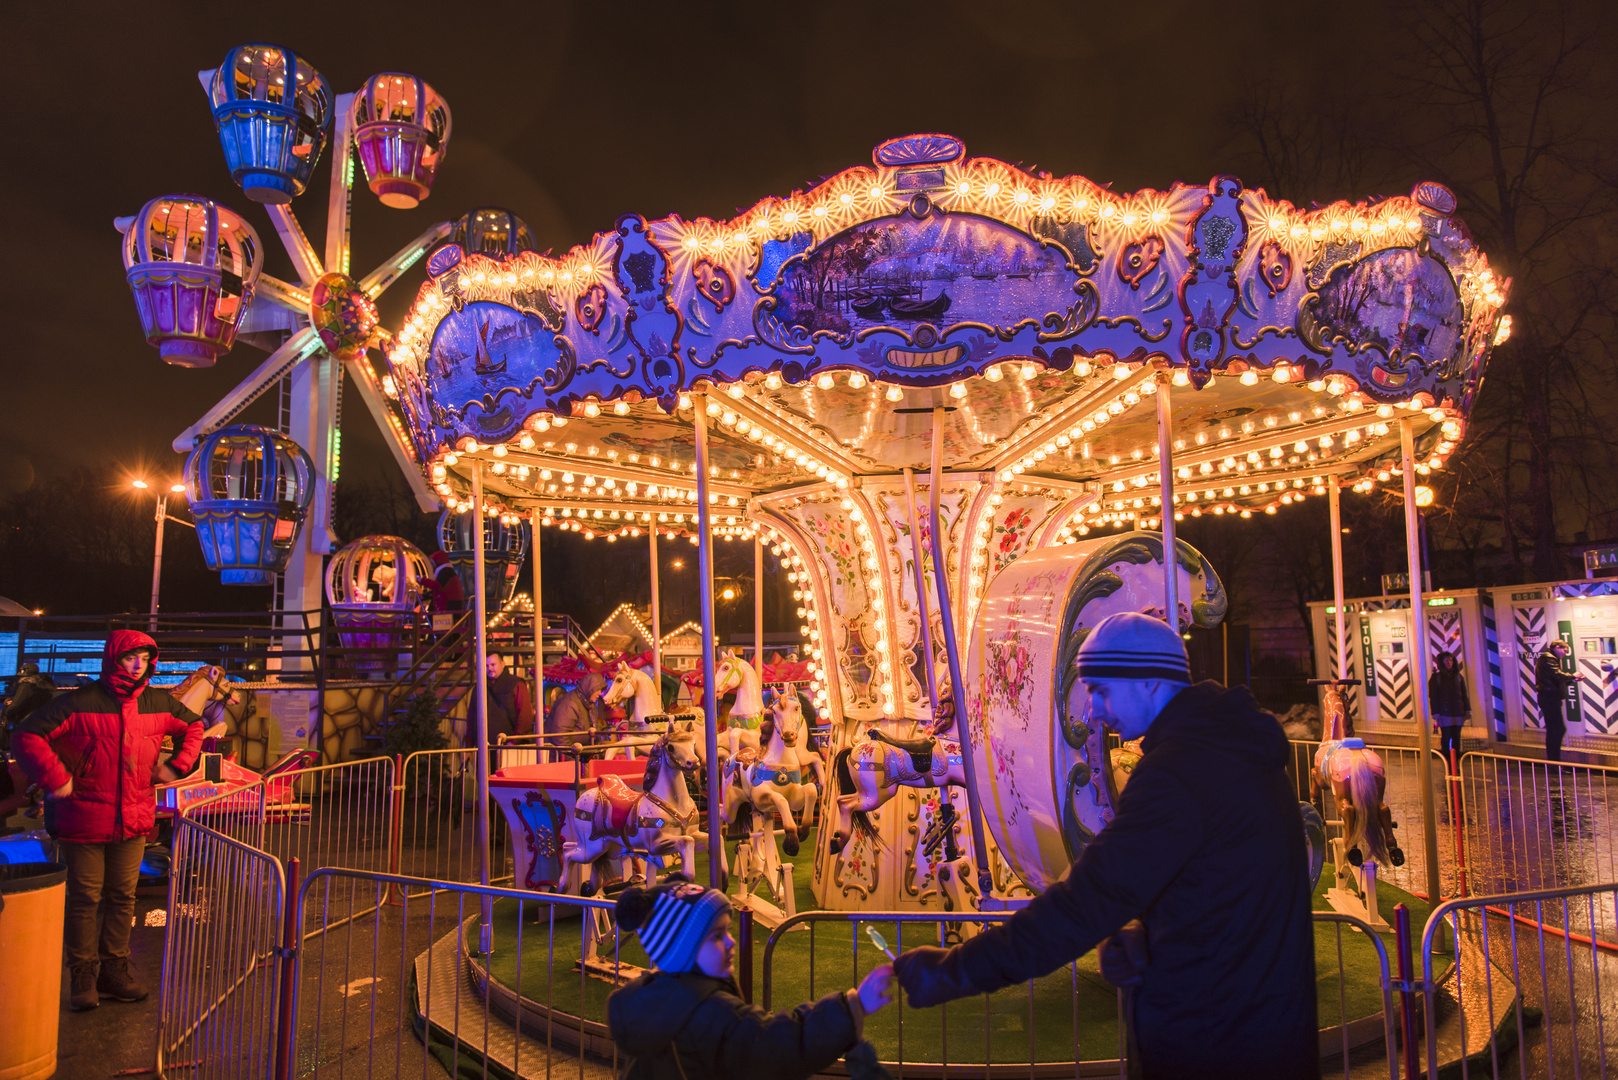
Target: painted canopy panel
{"type": "Point", "coordinates": [924, 273]}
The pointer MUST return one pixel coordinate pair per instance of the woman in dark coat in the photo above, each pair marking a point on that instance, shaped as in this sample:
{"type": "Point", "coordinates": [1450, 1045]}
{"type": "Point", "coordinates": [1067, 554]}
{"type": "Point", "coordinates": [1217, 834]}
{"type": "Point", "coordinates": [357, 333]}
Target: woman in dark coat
{"type": "Point", "coordinates": [1451, 705]}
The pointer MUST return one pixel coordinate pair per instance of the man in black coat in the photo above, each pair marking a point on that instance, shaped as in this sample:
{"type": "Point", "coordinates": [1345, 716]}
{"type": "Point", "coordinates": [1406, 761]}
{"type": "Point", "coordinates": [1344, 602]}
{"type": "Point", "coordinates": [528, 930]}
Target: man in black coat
{"type": "Point", "coordinates": [1551, 686]}
{"type": "Point", "coordinates": [1206, 850]}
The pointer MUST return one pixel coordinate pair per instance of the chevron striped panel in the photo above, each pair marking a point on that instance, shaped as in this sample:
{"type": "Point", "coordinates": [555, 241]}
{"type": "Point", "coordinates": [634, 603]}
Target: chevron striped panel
{"type": "Point", "coordinates": [1351, 698]}
{"type": "Point", "coordinates": [1444, 634]}
{"type": "Point", "coordinates": [1491, 652]}
{"type": "Point", "coordinates": [1393, 678]}
{"type": "Point", "coordinates": [1530, 631]}
{"type": "Point", "coordinates": [1598, 697]}
{"type": "Point", "coordinates": [1573, 590]}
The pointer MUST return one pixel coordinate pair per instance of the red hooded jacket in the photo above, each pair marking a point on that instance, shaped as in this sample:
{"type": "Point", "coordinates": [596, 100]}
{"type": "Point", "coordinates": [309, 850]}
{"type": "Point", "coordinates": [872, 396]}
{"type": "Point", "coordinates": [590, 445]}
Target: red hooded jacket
{"type": "Point", "coordinates": [108, 739]}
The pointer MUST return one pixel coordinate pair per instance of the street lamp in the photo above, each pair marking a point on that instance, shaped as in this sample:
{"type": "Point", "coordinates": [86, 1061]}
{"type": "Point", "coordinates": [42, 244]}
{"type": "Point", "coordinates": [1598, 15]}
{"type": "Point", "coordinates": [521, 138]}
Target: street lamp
{"type": "Point", "coordinates": [162, 516]}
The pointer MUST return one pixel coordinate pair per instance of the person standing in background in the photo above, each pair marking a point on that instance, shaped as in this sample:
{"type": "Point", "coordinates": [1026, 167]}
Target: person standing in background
{"type": "Point", "coordinates": [98, 753]}
{"type": "Point", "coordinates": [1551, 684]}
{"type": "Point", "coordinates": [1451, 706]}
{"type": "Point", "coordinates": [511, 704]}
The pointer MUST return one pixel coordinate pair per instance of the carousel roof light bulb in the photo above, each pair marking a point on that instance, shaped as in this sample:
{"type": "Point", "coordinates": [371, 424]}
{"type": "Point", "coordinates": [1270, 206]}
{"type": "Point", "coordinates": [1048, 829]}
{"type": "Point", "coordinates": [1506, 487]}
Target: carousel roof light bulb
{"type": "Point", "coordinates": [957, 390]}
{"type": "Point", "coordinates": [1249, 378]}
{"type": "Point", "coordinates": [1181, 377]}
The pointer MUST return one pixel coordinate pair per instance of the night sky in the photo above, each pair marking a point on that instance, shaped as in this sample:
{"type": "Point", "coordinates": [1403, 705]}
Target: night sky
{"type": "Point", "coordinates": [569, 114]}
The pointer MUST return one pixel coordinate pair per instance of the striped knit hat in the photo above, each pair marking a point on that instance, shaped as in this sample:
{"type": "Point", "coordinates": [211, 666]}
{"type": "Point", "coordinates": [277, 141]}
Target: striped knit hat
{"type": "Point", "coordinates": [1130, 645]}
{"type": "Point", "coordinates": [671, 921]}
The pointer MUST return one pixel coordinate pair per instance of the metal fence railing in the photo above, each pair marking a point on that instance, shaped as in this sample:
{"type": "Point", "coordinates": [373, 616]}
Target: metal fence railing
{"type": "Point", "coordinates": [421, 981]}
{"type": "Point", "coordinates": [390, 849]}
{"type": "Point", "coordinates": [1069, 1023]}
{"type": "Point", "coordinates": [218, 999]}
{"type": "Point", "coordinates": [436, 834]}
{"type": "Point", "coordinates": [1528, 990]}
{"type": "Point", "coordinates": [1535, 824]}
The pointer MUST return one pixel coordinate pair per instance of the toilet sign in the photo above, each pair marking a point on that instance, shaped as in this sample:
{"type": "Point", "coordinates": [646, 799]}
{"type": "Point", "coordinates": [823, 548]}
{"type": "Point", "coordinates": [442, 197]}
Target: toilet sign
{"type": "Point", "coordinates": [1602, 560]}
{"type": "Point", "coordinates": [1368, 656]}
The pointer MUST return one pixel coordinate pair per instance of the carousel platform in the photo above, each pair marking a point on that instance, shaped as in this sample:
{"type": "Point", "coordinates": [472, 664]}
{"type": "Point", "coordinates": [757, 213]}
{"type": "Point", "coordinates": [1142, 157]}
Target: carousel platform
{"type": "Point", "coordinates": [541, 1010]}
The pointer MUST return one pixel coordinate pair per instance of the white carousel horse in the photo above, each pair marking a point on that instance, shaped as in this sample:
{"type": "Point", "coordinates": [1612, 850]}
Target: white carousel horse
{"type": "Point", "coordinates": [611, 820]}
{"type": "Point", "coordinates": [783, 779]}
{"type": "Point", "coordinates": [1357, 781]}
{"type": "Point", "coordinates": [873, 769]}
{"type": "Point", "coordinates": [635, 685]}
{"type": "Point", "coordinates": [747, 714]}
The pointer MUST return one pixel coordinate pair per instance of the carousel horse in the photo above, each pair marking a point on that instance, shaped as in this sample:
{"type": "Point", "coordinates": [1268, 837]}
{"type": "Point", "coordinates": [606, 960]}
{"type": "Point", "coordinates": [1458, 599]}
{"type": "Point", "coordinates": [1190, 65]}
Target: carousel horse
{"type": "Point", "coordinates": [611, 820]}
{"type": "Point", "coordinates": [778, 779]}
{"type": "Point", "coordinates": [635, 686]}
{"type": "Point", "coordinates": [206, 692]}
{"type": "Point", "coordinates": [1357, 781]}
{"type": "Point", "coordinates": [747, 714]}
{"type": "Point", "coordinates": [871, 771]}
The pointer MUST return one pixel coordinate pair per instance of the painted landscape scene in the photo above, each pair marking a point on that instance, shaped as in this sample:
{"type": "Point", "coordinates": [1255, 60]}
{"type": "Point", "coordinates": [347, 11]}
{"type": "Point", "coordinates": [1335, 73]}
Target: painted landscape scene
{"type": "Point", "coordinates": [942, 269]}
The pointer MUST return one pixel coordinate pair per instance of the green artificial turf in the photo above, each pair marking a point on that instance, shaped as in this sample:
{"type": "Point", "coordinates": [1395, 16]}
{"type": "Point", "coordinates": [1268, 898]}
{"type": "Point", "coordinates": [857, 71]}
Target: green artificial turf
{"type": "Point", "coordinates": [1047, 1017]}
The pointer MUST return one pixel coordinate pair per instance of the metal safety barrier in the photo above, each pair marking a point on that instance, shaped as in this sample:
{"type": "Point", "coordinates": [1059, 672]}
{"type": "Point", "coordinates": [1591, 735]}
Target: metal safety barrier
{"type": "Point", "coordinates": [434, 825]}
{"type": "Point", "coordinates": [218, 1002]}
{"type": "Point", "coordinates": [1535, 824]}
{"type": "Point", "coordinates": [1018, 1031]}
{"type": "Point", "coordinates": [408, 981]}
{"type": "Point", "coordinates": [1526, 980]}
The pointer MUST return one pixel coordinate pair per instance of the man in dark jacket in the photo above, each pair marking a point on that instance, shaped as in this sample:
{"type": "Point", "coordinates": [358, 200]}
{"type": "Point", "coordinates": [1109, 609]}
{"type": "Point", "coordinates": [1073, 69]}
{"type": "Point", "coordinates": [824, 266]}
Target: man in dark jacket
{"type": "Point", "coordinates": [511, 707]}
{"type": "Point", "coordinates": [32, 691]}
{"type": "Point", "coordinates": [1551, 686]}
{"type": "Point", "coordinates": [1206, 849]}
{"type": "Point", "coordinates": [97, 752]}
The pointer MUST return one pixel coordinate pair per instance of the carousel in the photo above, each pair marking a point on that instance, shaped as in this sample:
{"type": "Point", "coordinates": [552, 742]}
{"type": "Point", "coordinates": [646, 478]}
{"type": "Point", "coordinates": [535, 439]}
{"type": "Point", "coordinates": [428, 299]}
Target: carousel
{"type": "Point", "coordinates": [961, 407]}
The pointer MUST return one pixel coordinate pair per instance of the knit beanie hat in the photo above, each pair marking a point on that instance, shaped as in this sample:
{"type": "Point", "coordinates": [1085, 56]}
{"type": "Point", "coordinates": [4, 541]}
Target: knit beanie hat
{"type": "Point", "coordinates": [671, 921]}
{"type": "Point", "coordinates": [1130, 645]}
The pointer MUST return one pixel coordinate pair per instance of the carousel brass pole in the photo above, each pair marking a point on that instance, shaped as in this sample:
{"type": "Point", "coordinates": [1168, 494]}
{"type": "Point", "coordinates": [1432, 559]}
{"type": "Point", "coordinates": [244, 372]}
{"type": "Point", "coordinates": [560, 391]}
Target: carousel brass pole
{"type": "Point", "coordinates": [480, 701]}
{"type": "Point", "coordinates": [758, 602]}
{"type": "Point", "coordinates": [1335, 495]}
{"type": "Point", "coordinates": [710, 709]}
{"type": "Point", "coordinates": [1165, 485]}
{"type": "Point", "coordinates": [539, 642]}
{"type": "Point", "coordinates": [980, 850]}
{"type": "Point", "coordinates": [921, 594]}
{"type": "Point", "coordinates": [1418, 634]}
{"type": "Point", "coordinates": [657, 621]}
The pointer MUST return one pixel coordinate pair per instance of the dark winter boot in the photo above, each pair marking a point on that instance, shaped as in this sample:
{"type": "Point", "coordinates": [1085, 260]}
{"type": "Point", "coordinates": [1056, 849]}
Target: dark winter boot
{"type": "Point", "coordinates": [118, 983]}
{"type": "Point", "coordinates": [84, 994]}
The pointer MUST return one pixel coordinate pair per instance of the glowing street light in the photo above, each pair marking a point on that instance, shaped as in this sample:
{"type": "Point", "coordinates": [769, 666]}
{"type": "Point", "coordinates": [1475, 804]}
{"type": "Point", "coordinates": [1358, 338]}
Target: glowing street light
{"type": "Point", "coordinates": [162, 517]}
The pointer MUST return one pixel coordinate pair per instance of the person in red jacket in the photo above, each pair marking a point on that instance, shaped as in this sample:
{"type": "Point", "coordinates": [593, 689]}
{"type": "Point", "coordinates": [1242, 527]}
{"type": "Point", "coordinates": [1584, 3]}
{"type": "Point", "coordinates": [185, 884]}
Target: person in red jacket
{"type": "Point", "coordinates": [98, 753]}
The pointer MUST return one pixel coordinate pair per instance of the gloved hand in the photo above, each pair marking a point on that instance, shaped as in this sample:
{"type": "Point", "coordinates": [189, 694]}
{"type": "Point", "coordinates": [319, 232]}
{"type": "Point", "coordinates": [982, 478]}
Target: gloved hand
{"type": "Point", "coordinates": [932, 976]}
{"type": "Point", "coordinates": [863, 1063]}
{"type": "Point", "coordinates": [1123, 956]}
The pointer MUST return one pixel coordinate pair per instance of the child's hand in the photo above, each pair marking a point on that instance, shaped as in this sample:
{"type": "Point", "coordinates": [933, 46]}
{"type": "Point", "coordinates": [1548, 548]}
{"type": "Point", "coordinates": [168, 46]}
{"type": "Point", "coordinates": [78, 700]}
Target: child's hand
{"type": "Point", "coordinates": [878, 988]}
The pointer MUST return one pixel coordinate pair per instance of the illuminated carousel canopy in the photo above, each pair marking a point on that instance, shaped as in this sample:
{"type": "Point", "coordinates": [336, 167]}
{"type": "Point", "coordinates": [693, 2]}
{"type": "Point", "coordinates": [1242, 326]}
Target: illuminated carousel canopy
{"type": "Point", "coordinates": [1038, 310]}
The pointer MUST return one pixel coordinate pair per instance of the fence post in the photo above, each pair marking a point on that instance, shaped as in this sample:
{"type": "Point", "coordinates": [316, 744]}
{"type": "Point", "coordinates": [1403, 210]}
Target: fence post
{"type": "Point", "coordinates": [1456, 816]}
{"type": "Point", "coordinates": [1407, 995]}
{"type": "Point", "coordinates": [744, 952]}
{"type": "Point", "coordinates": [396, 824]}
{"type": "Point", "coordinates": [284, 1018]}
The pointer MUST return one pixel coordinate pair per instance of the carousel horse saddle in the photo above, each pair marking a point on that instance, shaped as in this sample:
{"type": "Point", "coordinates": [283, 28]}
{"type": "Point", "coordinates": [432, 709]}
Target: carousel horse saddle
{"type": "Point", "coordinates": [920, 750]}
{"type": "Point", "coordinates": [778, 773]}
{"type": "Point", "coordinates": [614, 808]}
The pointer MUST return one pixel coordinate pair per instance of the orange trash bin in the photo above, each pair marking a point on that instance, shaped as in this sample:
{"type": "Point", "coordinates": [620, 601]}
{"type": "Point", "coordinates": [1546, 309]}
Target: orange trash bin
{"type": "Point", "coordinates": [33, 897]}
